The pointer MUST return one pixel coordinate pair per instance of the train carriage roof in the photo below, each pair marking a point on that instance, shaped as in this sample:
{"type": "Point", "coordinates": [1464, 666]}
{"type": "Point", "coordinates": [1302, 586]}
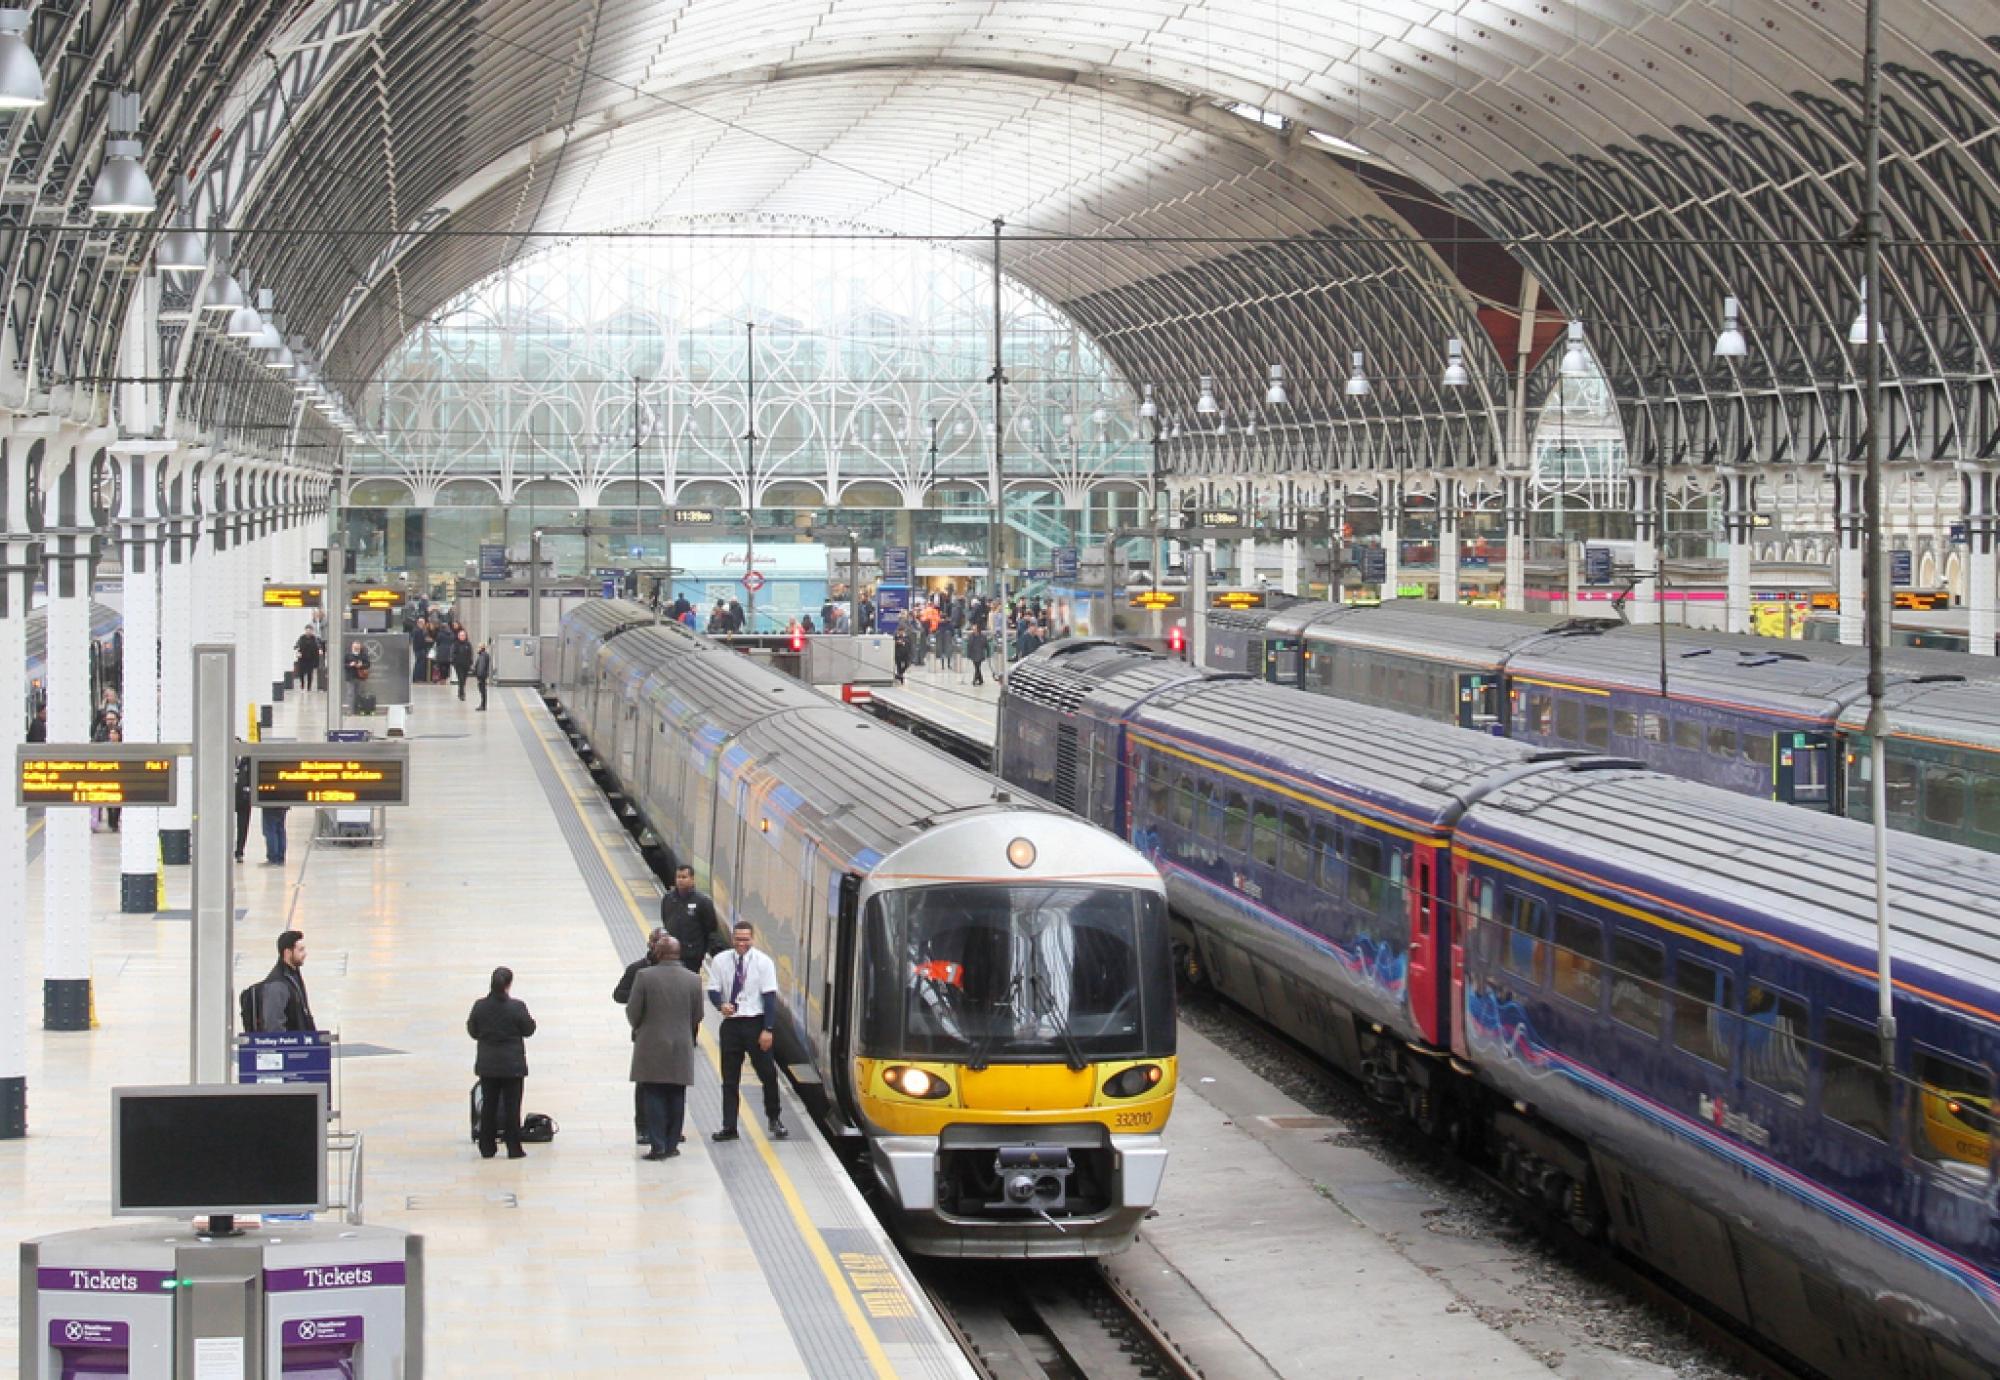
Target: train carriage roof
{"type": "Point", "coordinates": [1437, 632]}
{"type": "Point", "coordinates": [1751, 673]}
{"type": "Point", "coordinates": [1803, 877]}
{"type": "Point", "coordinates": [1951, 713]}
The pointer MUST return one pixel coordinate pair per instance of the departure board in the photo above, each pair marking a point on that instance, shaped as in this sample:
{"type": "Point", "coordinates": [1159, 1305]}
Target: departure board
{"type": "Point", "coordinates": [341, 774]}
{"type": "Point", "coordinates": [1236, 599]}
{"type": "Point", "coordinates": [1156, 600]}
{"type": "Point", "coordinates": [93, 774]}
{"type": "Point", "coordinates": [374, 597]}
{"type": "Point", "coordinates": [294, 596]}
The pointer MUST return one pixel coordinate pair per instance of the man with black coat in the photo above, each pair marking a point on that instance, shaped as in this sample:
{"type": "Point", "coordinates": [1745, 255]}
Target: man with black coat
{"type": "Point", "coordinates": [308, 649]}
{"type": "Point", "coordinates": [281, 1001]}
{"type": "Point", "coordinates": [461, 659]}
{"type": "Point", "coordinates": [689, 916]}
{"type": "Point", "coordinates": [243, 795]}
{"type": "Point", "coordinates": [622, 994]}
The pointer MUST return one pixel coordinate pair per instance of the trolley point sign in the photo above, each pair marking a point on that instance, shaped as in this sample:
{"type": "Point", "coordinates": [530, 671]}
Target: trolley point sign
{"type": "Point", "coordinates": [115, 774]}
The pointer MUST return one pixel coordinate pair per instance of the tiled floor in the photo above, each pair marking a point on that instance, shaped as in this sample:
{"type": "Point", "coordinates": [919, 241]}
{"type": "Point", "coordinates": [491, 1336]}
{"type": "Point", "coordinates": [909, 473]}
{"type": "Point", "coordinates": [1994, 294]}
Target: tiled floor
{"type": "Point", "coordinates": [580, 1259]}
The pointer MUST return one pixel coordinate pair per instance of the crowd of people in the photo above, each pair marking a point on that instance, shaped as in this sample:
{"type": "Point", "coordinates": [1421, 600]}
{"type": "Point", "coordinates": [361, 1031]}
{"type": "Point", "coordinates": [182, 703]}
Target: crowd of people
{"type": "Point", "coordinates": [948, 630]}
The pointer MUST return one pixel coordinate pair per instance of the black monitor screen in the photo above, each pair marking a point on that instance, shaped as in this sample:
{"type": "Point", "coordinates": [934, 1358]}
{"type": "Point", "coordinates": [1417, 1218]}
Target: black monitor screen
{"type": "Point", "coordinates": [371, 620]}
{"type": "Point", "coordinates": [247, 1150]}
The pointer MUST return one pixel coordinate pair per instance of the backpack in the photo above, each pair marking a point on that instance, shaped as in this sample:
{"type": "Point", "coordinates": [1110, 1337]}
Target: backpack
{"type": "Point", "coordinates": [246, 1007]}
{"type": "Point", "coordinates": [538, 1128]}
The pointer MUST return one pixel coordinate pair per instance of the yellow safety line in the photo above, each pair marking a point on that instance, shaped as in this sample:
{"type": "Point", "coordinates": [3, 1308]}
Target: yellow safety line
{"type": "Point", "coordinates": [843, 1292]}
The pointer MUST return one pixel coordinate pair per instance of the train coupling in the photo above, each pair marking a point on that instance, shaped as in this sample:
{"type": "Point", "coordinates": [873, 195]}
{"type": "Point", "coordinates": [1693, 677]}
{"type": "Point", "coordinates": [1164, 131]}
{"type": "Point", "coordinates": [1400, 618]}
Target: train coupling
{"type": "Point", "coordinates": [1033, 1178]}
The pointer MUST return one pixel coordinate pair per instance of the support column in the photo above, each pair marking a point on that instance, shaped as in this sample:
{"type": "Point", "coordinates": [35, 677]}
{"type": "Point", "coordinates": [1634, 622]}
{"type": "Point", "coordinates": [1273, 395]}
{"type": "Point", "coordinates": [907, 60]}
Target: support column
{"type": "Point", "coordinates": [1337, 545]}
{"type": "Point", "coordinates": [19, 563]}
{"type": "Point", "coordinates": [1739, 504]}
{"type": "Point", "coordinates": [66, 908]}
{"type": "Point", "coordinates": [1645, 602]}
{"type": "Point", "coordinates": [240, 630]}
{"type": "Point", "coordinates": [1288, 570]}
{"type": "Point", "coordinates": [139, 830]}
{"type": "Point", "coordinates": [1246, 561]}
{"type": "Point", "coordinates": [1849, 574]}
{"type": "Point", "coordinates": [1979, 499]}
{"type": "Point", "coordinates": [1392, 539]}
{"type": "Point", "coordinates": [1447, 540]}
{"type": "Point", "coordinates": [181, 527]}
{"type": "Point", "coordinates": [1516, 583]}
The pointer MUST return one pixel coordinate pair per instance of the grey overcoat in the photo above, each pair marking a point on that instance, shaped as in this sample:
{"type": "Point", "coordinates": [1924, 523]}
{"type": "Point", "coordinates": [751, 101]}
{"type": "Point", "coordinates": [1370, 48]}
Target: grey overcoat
{"type": "Point", "coordinates": [665, 1012]}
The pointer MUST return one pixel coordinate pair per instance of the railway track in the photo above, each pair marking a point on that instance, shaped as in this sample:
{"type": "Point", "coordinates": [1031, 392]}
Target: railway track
{"type": "Point", "coordinates": [1050, 1320]}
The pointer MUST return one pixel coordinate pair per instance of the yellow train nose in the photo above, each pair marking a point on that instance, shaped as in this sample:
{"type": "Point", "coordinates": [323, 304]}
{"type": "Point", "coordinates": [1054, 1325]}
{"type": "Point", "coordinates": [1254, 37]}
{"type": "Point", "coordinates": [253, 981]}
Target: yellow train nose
{"type": "Point", "coordinates": [1025, 1087]}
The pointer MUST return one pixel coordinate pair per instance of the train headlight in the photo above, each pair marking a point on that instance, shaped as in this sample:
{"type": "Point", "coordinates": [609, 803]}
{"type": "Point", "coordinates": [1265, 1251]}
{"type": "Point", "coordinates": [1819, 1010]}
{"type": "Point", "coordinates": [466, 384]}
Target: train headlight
{"type": "Point", "coordinates": [1021, 853]}
{"type": "Point", "coordinates": [1133, 1081]}
{"type": "Point", "coordinates": [915, 1082]}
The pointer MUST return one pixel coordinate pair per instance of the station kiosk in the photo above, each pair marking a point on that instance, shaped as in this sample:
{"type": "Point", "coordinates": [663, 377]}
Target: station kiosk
{"type": "Point", "coordinates": [280, 1300]}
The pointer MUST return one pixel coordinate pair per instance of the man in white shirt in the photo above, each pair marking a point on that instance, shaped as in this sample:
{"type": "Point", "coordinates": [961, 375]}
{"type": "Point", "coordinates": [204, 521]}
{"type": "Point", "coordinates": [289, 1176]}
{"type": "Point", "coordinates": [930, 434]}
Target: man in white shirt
{"type": "Point", "coordinates": [743, 986]}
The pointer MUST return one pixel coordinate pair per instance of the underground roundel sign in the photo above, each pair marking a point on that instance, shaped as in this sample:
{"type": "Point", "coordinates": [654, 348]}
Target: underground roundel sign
{"type": "Point", "coordinates": [753, 581]}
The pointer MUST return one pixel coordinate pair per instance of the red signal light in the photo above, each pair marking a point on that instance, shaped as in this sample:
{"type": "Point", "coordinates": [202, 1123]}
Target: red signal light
{"type": "Point", "coordinates": [798, 639]}
{"type": "Point", "coordinates": [1177, 640]}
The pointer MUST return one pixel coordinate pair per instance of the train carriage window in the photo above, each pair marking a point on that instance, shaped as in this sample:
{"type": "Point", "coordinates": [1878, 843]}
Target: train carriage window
{"type": "Point", "coordinates": [1569, 721]}
{"type": "Point", "coordinates": [1399, 879]}
{"type": "Point", "coordinates": [1653, 727]}
{"type": "Point", "coordinates": [1624, 724]}
{"type": "Point", "coordinates": [1236, 822]}
{"type": "Point", "coordinates": [1774, 1041]}
{"type": "Point", "coordinates": [1364, 872]}
{"type": "Point", "coordinates": [1721, 742]}
{"type": "Point", "coordinates": [1944, 796]}
{"type": "Point", "coordinates": [1326, 843]}
{"type": "Point", "coordinates": [1853, 1089]}
{"type": "Point", "coordinates": [1159, 788]}
{"type": "Point", "coordinates": [1899, 788]}
{"type": "Point", "coordinates": [1526, 942]}
{"type": "Point", "coordinates": [1298, 857]}
{"type": "Point", "coordinates": [1952, 1111]}
{"type": "Point", "coordinates": [1638, 968]}
{"type": "Point", "coordinates": [1541, 715]}
{"type": "Point", "coordinates": [1756, 749]}
{"type": "Point", "coordinates": [1579, 955]}
{"type": "Point", "coordinates": [1597, 725]}
{"type": "Point", "coordinates": [1183, 803]}
{"type": "Point", "coordinates": [1207, 811]}
{"type": "Point", "coordinates": [1704, 1008]}
{"type": "Point", "coordinates": [1687, 735]}
{"type": "Point", "coordinates": [1264, 835]}
{"type": "Point", "coordinates": [1986, 805]}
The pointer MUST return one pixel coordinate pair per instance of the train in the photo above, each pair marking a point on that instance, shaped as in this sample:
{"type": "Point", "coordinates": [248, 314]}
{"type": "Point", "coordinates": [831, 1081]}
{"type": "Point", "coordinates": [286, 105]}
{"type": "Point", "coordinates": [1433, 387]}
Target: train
{"type": "Point", "coordinates": [105, 622]}
{"type": "Point", "coordinates": [1650, 1004]}
{"type": "Point", "coordinates": [977, 989]}
{"type": "Point", "coordinates": [1780, 720]}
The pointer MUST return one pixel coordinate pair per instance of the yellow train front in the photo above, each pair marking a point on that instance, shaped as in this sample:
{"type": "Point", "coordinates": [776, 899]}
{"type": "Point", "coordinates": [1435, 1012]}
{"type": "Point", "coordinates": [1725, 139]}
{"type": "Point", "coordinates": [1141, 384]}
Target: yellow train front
{"type": "Point", "coordinates": [1012, 1061]}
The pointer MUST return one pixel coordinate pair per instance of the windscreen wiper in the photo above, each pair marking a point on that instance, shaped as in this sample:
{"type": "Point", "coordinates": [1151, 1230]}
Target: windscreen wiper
{"type": "Point", "coordinates": [1075, 1058]}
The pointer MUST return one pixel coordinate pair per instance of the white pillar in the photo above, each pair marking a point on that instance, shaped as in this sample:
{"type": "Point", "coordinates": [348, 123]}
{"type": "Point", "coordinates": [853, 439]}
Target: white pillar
{"type": "Point", "coordinates": [1447, 541]}
{"type": "Point", "coordinates": [1517, 542]}
{"type": "Point", "coordinates": [66, 906]}
{"type": "Point", "coordinates": [1739, 503]}
{"type": "Point", "coordinates": [1288, 571]}
{"type": "Point", "coordinates": [1980, 484]}
{"type": "Point", "coordinates": [17, 582]}
{"type": "Point", "coordinates": [182, 530]}
{"type": "Point", "coordinates": [1246, 561]}
{"type": "Point", "coordinates": [1644, 606]}
{"type": "Point", "coordinates": [139, 836]}
{"type": "Point", "coordinates": [1392, 539]}
{"type": "Point", "coordinates": [1849, 571]}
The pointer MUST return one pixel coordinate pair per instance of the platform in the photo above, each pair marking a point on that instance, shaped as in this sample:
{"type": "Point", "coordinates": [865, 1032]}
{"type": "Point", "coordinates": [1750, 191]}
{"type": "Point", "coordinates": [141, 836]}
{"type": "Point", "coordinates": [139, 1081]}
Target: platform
{"type": "Point", "coordinates": [751, 1259]}
{"type": "Point", "coordinates": [944, 707]}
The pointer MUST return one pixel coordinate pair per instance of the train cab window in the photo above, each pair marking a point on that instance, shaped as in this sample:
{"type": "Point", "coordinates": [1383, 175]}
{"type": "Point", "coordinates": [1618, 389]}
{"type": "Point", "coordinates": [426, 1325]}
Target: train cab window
{"type": "Point", "coordinates": [1183, 803]}
{"type": "Point", "coordinates": [1264, 835]}
{"type": "Point", "coordinates": [1597, 725]}
{"type": "Point", "coordinates": [1326, 843]}
{"type": "Point", "coordinates": [1524, 947]}
{"type": "Point", "coordinates": [1687, 735]}
{"type": "Point", "coordinates": [1704, 1007]}
{"type": "Point", "coordinates": [1541, 715]}
{"type": "Point", "coordinates": [1297, 853]}
{"type": "Point", "coordinates": [1986, 805]}
{"type": "Point", "coordinates": [1853, 1089]}
{"type": "Point", "coordinates": [1899, 788]}
{"type": "Point", "coordinates": [1579, 955]}
{"type": "Point", "coordinates": [1944, 796]}
{"type": "Point", "coordinates": [1953, 1114]}
{"type": "Point", "coordinates": [1624, 724]}
{"type": "Point", "coordinates": [1569, 721]}
{"type": "Point", "coordinates": [1638, 968]}
{"type": "Point", "coordinates": [1236, 822]}
{"type": "Point", "coordinates": [1721, 742]}
{"type": "Point", "coordinates": [1364, 872]}
{"type": "Point", "coordinates": [1653, 727]}
{"type": "Point", "coordinates": [1774, 1041]}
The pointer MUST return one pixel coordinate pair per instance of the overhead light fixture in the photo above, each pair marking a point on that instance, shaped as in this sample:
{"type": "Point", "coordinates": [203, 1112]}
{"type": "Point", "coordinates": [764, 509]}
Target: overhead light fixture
{"type": "Point", "coordinates": [1730, 344]}
{"type": "Point", "coordinates": [281, 359]}
{"type": "Point", "coordinates": [1221, 429]}
{"type": "Point", "coordinates": [1205, 404]}
{"type": "Point", "coordinates": [181, 249]}
{"type": "Point", "coordinates": [1174, 432]}
{"type": "Point", "coordinates": [1576, 359]}
{"type": "Point", "coordinates": [1357, 382]}
{"type": "Point", "coordinates": [269, 337]}
{"type": "Point", "coordinates": [1146, 407]}
{"type": "Point", "coordinates": [1858, 333]}
{"type": "Point", "coordinates": [20, 72]}
{"type": "Point", "coordinates": [1250, 427]}
{"type": "Point", "coordinates": [1274, 396]}
{"type": "Point", "coordinates": [244, 324]}
{"type": "Point", "coordinates": [1454, 364]}
{"type": "Point", "coordinates": [122, 187]}
{"type": "Point", "coordinates": [224, 293]}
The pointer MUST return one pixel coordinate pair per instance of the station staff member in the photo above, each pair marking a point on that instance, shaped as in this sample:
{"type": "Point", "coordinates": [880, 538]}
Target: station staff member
{"type": "Point", "coordinates": [743, 986]}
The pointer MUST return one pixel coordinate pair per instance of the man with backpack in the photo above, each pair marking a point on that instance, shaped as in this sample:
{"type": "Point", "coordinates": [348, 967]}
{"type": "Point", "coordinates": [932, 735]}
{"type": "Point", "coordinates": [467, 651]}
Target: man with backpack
{"type": "Point", "coordinates": [279, 1001]}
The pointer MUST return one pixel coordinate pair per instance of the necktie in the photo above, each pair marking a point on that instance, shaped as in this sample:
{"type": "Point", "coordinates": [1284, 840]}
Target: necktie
{"type": "Point", "coordinates": [736, 983]}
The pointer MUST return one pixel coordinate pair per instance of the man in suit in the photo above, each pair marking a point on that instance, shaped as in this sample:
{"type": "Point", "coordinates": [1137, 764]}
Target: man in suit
{"type": "Point", "coordinates": [665, 1012]}
{"type": "Point", "coordinates": [622, 994]}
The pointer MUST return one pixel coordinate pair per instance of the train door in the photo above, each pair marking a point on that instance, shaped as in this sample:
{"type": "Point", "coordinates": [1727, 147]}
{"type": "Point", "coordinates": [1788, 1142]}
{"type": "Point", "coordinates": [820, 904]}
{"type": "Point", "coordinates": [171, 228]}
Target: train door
{"type": "Point", "coordinates": [1480, 703]}
{"type": "Point", "coordinates": [1802, 770]}
{"type": "Point", "coordinates": [838, 991]}
{"type": "Point", "coordinates": [1281, 660]}
{"type": "Point", "coordinates": [1430, 958]}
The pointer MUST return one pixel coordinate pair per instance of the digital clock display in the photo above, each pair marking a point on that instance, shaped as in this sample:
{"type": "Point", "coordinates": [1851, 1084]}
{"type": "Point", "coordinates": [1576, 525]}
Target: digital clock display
{"type": "Point", "coordinates": [332, 778]}
{"type": "Point", "coordinates": [294, 596]}
{"type": "Point", "coordinates": [93, 774]}
{"type": "Point", "coordinates": [1156, 600]}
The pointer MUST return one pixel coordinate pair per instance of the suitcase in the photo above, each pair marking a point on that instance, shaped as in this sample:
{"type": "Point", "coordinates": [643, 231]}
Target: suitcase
{"type": "Point", "coordinates": [475, 1113]}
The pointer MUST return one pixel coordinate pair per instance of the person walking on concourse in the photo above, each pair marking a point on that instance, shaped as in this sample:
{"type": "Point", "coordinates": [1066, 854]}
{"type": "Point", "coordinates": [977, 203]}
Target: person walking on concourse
{"type": "Point", "coordinates": [689, 916]}
{"type": "Point", "coordinates": [743, 986]}
{"type": "Point", "coordinates": [501, 1024]}
{"type": "Point", "coordinates": [665, 1012]}
{"type": "Point", "coordinates": [622, 994]}
{"type": "Point", "coordinates": [281, 1001]}
{"type": "Point", "coordinates": [482, 669]}
{"type": "Point", "coordinates": [461, 659]}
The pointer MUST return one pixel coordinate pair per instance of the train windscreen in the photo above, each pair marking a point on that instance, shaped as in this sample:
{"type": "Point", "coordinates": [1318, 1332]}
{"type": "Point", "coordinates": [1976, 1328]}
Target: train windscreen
{"type": "Point", "coordinates": [1017, 974]}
